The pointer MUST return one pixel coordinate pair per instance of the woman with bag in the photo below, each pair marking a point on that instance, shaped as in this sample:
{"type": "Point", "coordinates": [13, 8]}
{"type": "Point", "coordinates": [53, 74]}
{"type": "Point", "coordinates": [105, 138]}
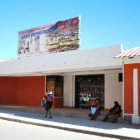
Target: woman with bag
{"type": "Point", "coordinates": [48, 102]}
{"type": "Point", "coordinates": [95, 110]}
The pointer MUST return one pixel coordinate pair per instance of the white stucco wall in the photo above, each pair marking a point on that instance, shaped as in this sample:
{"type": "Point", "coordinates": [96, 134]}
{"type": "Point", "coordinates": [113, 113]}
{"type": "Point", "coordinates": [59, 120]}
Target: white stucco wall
{"type": "Point", "coordinates": [69, 89]}
{"type": "Point", "coordinates": [71, 61]}
{"type": "Point", "coordinates": [113, 90]}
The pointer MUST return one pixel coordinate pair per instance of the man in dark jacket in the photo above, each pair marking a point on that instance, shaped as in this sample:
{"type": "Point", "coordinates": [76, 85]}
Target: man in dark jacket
{"type": "Point", "coordinates": [114, 113]}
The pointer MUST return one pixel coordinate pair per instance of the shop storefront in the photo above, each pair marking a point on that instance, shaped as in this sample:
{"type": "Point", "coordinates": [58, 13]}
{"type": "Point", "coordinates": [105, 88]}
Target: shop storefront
{"type": "Point", "coordinates": [87, 89]}
{"type": "Point", "coordinates": [76, 78]}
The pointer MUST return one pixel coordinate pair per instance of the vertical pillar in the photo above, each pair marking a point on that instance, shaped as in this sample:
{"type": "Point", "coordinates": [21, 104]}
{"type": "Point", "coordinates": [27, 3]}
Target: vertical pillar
{"type": "Point", "coordinates": [123, 93]}
{"type": "Point", "coordinates": [135, 118]}
{"type": "Point", "coordinates": [73, 91]}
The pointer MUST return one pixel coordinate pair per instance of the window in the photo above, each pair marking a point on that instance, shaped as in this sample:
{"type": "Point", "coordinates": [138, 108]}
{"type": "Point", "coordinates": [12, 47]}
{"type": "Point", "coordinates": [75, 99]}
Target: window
{"type": "Point", "coordinates": [120, 77]}
{"type": "Point", "coordinates": [55, 84]}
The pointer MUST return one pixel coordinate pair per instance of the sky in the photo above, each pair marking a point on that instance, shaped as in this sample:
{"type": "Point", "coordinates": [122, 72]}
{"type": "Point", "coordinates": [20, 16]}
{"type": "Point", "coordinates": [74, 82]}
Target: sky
{"type": "Point", "coordinates": [103, 22]}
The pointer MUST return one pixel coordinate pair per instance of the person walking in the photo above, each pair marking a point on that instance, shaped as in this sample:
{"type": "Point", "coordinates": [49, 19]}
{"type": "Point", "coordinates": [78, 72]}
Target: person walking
{"type": "Point", "coordinates": [48, 103]}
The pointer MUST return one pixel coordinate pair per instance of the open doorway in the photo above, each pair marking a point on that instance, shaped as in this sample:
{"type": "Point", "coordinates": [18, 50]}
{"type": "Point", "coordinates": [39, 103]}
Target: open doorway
{"type": "Point", "coordinates": [87, 89]}
{"type": "Point", "coordinates": [55, 84]}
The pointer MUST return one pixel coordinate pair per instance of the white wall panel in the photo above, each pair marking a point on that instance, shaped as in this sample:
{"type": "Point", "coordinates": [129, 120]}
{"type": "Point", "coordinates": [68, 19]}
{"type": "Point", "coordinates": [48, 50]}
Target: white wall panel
{"type": "Point", "coordinates": [64, 62]}
{"type": "Point", "coordinates": [68, 91]}
{"type": "Point", "coordinates": [113, 90]}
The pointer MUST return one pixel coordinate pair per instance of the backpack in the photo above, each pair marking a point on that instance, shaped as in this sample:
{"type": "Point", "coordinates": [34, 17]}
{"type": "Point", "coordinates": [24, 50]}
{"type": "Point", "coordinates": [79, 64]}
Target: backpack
{"type": "Point", "coordinates": [50, 98]}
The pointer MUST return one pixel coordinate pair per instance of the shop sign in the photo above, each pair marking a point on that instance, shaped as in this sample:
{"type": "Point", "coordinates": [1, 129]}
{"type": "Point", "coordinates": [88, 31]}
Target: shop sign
{"type": "Point", "coordinates": [58, 37]}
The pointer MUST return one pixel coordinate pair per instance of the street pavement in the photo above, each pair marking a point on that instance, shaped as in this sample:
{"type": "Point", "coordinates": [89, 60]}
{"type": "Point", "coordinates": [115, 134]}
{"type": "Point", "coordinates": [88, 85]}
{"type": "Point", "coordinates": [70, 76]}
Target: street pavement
{"type": "Point", "coordinates": [10, 130]}
{"type": "Point", "coordinates": [106, 129]}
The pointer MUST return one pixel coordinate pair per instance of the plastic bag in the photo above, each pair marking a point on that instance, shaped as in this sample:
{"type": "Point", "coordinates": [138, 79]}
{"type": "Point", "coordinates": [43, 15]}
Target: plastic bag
{"type": "Point", "coordinates": [43, 102]}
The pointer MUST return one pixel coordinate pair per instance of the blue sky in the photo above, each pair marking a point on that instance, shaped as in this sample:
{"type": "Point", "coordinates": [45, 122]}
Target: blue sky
{"type": "Point", "coordinates": [103, 22]}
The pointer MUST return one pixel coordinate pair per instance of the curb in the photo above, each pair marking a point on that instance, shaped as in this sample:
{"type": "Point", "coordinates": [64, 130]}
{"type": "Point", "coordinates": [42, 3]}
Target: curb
{"type": "Point", "coordinates": [71, 129]}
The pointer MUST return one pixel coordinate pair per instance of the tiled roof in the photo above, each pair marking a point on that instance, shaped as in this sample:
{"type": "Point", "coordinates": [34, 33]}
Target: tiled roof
{"type": "Point", "coordinates": [129, 53]}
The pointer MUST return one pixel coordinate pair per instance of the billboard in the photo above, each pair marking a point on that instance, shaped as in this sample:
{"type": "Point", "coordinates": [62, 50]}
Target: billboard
{"type": "Point", "coordinates": [58, 37]}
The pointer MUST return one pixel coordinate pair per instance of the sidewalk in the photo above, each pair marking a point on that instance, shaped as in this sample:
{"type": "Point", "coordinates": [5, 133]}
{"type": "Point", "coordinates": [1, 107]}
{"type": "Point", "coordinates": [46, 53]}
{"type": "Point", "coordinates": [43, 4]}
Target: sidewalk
{"type": "Point", "coordinates": [81, 125]}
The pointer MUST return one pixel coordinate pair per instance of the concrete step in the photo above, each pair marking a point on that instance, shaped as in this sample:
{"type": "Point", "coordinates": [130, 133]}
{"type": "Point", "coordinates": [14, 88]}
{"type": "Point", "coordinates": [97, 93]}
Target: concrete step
{"type": "Point", "coordinates": [122, 120]}
{"type": "Point", "coordinates": [23, 109]}
{"type": "Point", "coordinates": [100, 117]}
{"type": "Point", "coordinates": [76, 113]}
{"type": "Point", "coordinates": [68, 112]}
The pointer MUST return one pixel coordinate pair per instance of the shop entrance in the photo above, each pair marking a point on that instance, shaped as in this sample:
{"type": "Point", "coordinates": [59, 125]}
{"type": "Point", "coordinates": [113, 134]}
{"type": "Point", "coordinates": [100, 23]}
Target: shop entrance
{"type": "Point", "coordinates": [87, 89]}
{"type": "Point", "coordinates": [55, 84]}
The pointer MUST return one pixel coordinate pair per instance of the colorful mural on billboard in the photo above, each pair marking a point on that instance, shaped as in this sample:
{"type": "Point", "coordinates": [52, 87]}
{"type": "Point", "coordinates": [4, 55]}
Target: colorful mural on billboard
{"type": "Point", "coordinates": [58, 37]}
